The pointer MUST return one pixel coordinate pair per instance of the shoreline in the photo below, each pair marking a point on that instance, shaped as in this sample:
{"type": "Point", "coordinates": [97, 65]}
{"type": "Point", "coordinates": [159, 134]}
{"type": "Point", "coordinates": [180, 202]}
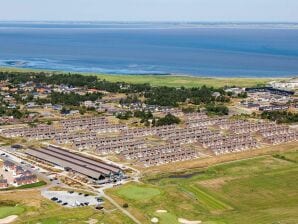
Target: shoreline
{"type": "Point", "coordinates": [170, 80]}
{"type": "Point", "coordinates": [164, 24]}
{"type": "Point", "coordinates": [18, 69]}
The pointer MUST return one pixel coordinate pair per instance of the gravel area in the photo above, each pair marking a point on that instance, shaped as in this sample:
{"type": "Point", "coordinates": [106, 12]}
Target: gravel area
{"type": "Point", "coordinates": [75, 199]}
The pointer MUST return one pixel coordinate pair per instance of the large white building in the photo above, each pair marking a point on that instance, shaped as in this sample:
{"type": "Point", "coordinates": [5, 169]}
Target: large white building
{"type": "Point", "coordinates": [291, 84]}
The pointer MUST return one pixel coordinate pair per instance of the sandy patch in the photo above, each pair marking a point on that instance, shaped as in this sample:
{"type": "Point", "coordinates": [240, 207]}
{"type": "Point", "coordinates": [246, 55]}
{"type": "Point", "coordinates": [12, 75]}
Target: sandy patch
{"type": "Point", "coordinates": [161, 211]}
{"type": "Point", "coordinates": [154, 220]}
{"type": "Point", "coordinates": [185, 221]}
{"type": "Point", "coordinates": [8, 219]}
{"type": "Point", "coordinates": [92, 221]}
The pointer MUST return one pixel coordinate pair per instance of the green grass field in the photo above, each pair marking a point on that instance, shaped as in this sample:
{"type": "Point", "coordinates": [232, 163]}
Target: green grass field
{"type": "Point", "coordinates": [186, 81]}
{"type": "Point", "coordinates": [138, 193]}
{"type": "Point", "coordinates": [204, 198]}
{"type": "Point", "coordinates": [76, 216]}
{"type": "Point", "coordinates": [51, 213]}
{"type": "Point", "coordinates": [171, 80]}
{"type": "Point", "coordinates": [10, 210]}
{"type": "Point", "coordinates": [259, 190]}
{"type": "Point", "coordinates": [291, 156]}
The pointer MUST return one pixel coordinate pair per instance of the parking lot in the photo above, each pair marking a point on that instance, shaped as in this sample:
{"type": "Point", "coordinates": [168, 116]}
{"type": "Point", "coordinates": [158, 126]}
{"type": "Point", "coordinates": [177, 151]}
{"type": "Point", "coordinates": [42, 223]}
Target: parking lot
{"type": "Point", "coordinates": [72, 199]}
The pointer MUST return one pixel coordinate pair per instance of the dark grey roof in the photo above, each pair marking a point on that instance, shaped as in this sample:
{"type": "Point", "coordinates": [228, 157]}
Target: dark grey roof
{"type": "Point", "coordinates": [78, 163]}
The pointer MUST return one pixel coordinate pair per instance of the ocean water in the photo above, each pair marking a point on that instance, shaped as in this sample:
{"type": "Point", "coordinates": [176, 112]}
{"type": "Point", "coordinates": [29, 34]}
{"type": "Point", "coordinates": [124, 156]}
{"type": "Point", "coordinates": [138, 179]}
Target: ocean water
{"type": "Point", "coordinates": [159, 48]}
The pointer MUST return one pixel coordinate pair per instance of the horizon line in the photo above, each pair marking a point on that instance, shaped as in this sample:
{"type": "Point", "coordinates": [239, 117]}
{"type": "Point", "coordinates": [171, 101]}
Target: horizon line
{"type": "Point", "coordinates": [148, 21]}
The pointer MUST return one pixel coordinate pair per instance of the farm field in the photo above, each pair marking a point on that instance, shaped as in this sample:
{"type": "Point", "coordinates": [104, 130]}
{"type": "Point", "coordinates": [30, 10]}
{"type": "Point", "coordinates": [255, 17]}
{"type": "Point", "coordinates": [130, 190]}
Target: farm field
{"type": "Point", "coordinates": [257, 190]}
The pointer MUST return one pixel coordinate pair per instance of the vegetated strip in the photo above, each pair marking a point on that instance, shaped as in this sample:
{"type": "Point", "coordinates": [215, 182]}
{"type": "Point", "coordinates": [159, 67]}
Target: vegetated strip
{"type": "Point", "coordinates": [26, 186]}
{"type": "Point", "coordinates": [210, 202]}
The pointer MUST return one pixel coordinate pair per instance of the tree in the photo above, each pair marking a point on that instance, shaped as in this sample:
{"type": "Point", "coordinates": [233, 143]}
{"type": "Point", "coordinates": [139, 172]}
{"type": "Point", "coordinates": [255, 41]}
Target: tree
{"type": "Point", "coordinates": [280, 116]}
{"type": "Point", "coordinates": [168, 120]}
{"type": "Point", "coordinates": [124, 115]}
{"type": "Point", "coordinates": [242, 95]}
{"type": "Point", "coordinates": [144, 115]}
{"type": "Point", "coordinates": [188, 110]}
{"type": "Point", "coordinates": [217, 109]}
{"type": "Point", "coordinates": [82, 110]}
{"type": "Point", "coordinates": [64, 110]}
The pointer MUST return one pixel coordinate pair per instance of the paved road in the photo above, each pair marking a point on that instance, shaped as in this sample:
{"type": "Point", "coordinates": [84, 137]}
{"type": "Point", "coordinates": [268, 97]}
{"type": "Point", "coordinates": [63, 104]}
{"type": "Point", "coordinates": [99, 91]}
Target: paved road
{"type": "Point", "coordinates": [111, 200]}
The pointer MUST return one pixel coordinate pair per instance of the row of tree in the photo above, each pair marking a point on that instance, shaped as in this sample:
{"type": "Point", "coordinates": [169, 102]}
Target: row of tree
{"type": "Point", "coordinates": [147, 117]}
{"type": "Point", "coordinates": [280, 116]}
{"type": "Point", "coordinates": [217, 109]}
{"type": "Point", "coordinates": [169, 96]}
{"type": "Point", "coordinates": [15, 112]}
{"type": "Point", "coordinates": [162, 96]}
{"type": "Point", "coordinates": [73, 99]}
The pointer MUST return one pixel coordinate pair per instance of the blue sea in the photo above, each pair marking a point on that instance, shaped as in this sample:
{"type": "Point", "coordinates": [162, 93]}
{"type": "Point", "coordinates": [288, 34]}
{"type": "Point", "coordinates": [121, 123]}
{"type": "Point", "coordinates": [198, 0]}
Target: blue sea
{"type": "Point", "coordinates": [213, 50]}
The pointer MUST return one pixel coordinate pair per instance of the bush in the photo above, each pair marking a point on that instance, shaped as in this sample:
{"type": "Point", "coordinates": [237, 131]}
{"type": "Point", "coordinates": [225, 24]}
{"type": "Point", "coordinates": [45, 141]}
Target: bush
{"type": "Point", "coordinates": [217, 109]}
{"type": "Point", "coordinates": [168, 120]}
{"type": "Point", "coordinates": [188, 110]}
{"type": "Point", "coordinates": [280, 116]}
{"type": "Point", "coordinates": [124, 116]}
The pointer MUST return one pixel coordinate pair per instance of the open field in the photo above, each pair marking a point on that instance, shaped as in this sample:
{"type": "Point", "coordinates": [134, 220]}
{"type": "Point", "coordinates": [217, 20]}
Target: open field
{"type": "Point", "coordinates": [208, 200]}
{"type": "Point", "coordinates": [257, 190]}
{"type": "Point", "coordinates": [171, 80]}
{"type": "Point", "coordinates": [37, 209]}
{"type": "Point", "coordinates": [138, 193]}
{"type": "Point", "coordinates": [10, 210]}
{"type": "Point", "coordinates": [186, 81]}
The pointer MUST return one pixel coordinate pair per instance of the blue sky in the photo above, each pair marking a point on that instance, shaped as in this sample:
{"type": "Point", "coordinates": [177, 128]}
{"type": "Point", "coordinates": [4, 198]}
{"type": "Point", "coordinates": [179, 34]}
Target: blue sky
{"type": "Point", "coordinates": [151, 10]}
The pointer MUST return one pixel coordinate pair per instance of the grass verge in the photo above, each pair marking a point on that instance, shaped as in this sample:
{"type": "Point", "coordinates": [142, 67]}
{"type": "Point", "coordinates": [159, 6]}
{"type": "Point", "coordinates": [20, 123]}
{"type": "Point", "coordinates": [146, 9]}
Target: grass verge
{"type": "Point", "coordinates": [26, 186]}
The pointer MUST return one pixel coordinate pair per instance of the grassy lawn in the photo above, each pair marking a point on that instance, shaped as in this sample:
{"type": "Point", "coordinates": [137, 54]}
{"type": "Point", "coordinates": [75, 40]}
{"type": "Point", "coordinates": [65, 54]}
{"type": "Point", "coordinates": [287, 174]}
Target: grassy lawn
{"type": "Point", "coordinates": [206, 199]}
{"type": "Point", "coordinates": [10, 210]}
{"type": "Point", "coordinates": [291, 156]}
{"type": "Point", "coordinates": [138, 193]}
{"type": "Point", "coordinates": [258, 190]}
